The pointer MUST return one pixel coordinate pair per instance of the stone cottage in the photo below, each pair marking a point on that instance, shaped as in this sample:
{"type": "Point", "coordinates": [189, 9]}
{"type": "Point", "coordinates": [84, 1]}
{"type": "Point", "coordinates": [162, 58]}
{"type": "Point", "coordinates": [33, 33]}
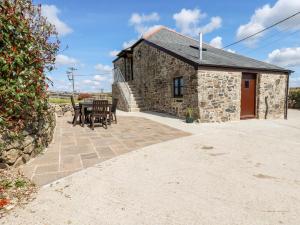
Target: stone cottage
{"type": "Point", "coordinates": [163, 72]}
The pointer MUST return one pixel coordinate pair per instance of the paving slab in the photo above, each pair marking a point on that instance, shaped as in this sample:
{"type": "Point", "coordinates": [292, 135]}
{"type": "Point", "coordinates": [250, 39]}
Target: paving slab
{"type": "Point", "coordinates": [77, 148]}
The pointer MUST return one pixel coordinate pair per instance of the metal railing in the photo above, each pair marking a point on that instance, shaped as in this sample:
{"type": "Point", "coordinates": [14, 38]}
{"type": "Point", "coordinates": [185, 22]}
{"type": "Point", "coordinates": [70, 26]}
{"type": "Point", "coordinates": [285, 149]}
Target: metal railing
{"type": "Point", "coordinates": [124, 88]}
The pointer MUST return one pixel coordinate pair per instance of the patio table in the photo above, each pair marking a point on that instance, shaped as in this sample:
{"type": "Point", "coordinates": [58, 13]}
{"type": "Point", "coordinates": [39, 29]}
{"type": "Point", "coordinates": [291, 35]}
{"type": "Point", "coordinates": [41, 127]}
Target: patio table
{"type": "Point", "coordinates": [89, 105]}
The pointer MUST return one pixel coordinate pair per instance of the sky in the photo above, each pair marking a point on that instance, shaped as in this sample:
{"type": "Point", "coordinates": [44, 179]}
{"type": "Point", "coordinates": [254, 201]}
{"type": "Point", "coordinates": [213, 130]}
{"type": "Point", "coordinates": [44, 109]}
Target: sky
{"type": "Point", "coordinates": [92, 32]}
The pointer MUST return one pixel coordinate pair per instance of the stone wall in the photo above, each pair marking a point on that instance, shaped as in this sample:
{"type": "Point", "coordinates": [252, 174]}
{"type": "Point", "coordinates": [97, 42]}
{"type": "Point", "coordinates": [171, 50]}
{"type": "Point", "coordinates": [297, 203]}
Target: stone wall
{"type": "Point", "coordinates": [38, 136]}
{"type": "Point", "coordinates": [272, 86]}
{"type": "Point", "coordinates": [64, 109]}
{"type": "Point", "coordinates": [124, 64]}
{"type": "Point", "coordinates": [122, 105]}
{"type": "Point", "coordinates": [219, 95]}
{"type": "Point", "coordinates": [214, 94]}
{"type": "Point", "coordinates": [154, 71]}
{"type": "Point", "coordinates": [120, 63]}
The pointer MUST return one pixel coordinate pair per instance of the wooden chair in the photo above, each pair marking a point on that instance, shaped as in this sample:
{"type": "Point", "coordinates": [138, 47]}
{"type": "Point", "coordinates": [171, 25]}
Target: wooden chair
{"type": "Point", "coordinates": [114, 110]}
{"type": "Point", "coordinates": [76, 109]}
{"type": "Point", "coordinates": [99, 112]}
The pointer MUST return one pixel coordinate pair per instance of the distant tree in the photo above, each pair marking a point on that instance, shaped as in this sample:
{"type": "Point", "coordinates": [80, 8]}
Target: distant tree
{"type": "Point", "coordinates": [28, 46]}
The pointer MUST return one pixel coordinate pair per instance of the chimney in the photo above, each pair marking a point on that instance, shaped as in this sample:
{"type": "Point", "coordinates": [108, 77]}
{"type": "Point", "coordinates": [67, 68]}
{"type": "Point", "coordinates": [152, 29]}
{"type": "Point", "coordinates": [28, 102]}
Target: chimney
{"type": "Point", "coordinates": [200, 46]}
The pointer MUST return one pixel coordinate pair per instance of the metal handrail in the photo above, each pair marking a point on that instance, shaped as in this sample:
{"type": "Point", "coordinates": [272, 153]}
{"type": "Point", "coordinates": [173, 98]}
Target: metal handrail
{"type": "Point", "coordinates": [119, 79]}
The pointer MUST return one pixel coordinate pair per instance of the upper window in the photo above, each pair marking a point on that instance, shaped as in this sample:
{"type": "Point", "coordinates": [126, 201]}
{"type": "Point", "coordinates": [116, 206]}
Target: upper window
{"type": "Point", "coordinates": [178, 87]}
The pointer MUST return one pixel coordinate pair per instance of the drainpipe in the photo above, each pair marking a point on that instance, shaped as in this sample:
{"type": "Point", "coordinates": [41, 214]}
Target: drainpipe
{"type": "Point", "coordinates": [200, 46]}
{"type": "Point", "coordinates": [287, 96]}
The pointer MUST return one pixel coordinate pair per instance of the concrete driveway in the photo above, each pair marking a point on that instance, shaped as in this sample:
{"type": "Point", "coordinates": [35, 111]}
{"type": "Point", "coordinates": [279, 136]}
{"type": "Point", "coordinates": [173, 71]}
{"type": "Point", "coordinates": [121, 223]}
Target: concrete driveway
{"type": "Point", "coordinates": [245, 172]}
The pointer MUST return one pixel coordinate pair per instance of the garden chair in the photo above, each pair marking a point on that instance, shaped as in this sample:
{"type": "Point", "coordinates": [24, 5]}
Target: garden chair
{"type": "Point", "coordinates": [114, 110]}
{"type": "Point", "coordinates": [76, 109]}
{"type": "Point", "coordinates": [99, 112]}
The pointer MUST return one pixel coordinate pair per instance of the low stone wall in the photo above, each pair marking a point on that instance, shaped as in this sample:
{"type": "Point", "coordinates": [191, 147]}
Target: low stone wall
{"type": "Point", "coordinates": [35, 139]}
{"type": "Point", "coordinates": [63, 109]}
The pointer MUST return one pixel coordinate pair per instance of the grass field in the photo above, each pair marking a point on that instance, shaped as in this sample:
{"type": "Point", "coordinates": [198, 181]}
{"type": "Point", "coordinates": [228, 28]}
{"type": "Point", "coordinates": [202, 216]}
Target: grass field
{"type": "Point", "coordinates": [60, 100]}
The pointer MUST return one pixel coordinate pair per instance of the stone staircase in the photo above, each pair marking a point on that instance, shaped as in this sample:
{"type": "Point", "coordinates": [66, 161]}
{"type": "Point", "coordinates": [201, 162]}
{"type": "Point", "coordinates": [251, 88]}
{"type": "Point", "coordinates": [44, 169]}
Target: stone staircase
{"type": "Point", "coordinates": [136, 102]}
{"type": "Point", "coordinates": [127, 92]}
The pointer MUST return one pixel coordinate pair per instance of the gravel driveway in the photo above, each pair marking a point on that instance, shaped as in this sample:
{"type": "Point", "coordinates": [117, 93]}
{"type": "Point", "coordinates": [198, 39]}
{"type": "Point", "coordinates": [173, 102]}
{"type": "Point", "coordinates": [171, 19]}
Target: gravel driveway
{"type": "Point", "coordinates": [245, 172]}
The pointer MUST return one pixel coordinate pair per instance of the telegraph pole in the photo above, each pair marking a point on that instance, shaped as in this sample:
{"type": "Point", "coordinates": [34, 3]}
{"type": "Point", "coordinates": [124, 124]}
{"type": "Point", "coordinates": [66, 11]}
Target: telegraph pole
{"type": "Point", "coordinates": [70, 74]}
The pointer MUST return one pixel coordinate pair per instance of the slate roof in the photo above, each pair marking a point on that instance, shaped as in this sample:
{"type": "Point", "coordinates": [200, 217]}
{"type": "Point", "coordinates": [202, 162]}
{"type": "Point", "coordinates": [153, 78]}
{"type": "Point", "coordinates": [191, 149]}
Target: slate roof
{"type": "Point", "coordinates": [188, 49]}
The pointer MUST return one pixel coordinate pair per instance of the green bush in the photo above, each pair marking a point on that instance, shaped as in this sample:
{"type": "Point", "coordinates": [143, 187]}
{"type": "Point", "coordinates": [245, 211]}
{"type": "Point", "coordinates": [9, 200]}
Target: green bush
{"type": "Point", "coordinates": [28, 46]}
{"type": "Point", "coordinates": [294, 95]}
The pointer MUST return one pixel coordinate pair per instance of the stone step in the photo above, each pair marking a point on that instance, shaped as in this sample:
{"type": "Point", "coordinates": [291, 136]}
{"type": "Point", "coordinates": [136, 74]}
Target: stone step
{"type": "Point", "coordinates": [136, 109]}
{"type": "Point", "coordinates": [137, 99]}
{"type": "Point", "coordinates": [136, 105]}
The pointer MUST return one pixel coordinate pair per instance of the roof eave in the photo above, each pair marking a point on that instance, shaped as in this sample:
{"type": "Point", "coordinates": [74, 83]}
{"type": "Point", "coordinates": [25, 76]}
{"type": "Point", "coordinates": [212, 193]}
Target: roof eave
{"type": "Point", "coordinates": [245, 68]}
{"type": "Point", "coordinates": [126, 50]}
{"type": "Point", "coordinates": [198, 64]}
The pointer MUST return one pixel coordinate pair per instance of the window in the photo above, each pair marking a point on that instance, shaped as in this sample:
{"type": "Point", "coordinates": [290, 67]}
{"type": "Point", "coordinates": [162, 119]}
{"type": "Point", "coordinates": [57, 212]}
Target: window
{"type": "Point", "coordinates": [178, 87]}
{"type": "Point", "coordinates": [247, 83]}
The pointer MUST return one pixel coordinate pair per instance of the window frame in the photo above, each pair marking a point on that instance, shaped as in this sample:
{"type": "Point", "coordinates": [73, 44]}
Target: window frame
{"type": "Point", "coordinates": [178, 85]}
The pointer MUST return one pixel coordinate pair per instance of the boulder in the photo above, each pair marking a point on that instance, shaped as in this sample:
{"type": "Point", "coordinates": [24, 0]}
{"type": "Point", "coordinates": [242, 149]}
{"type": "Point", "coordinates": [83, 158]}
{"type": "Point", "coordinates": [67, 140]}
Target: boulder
{"type": "Point", "coordinates": [20, 161]}
{"type": "Point", "coordinates": [10, 156]}
{"type": "Point", "coordinates": [28, 149]}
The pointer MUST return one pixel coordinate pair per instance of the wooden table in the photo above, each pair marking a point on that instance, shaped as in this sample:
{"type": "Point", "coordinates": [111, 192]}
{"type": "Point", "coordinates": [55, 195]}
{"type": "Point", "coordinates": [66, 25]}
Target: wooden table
{"type": "Point", "coordinates": [84, 106]}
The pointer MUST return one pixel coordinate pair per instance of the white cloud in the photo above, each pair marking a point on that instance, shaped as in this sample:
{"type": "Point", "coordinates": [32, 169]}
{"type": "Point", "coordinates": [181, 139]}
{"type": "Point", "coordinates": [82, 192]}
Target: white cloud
{"type": "Point", "coordinates": [141, 22]}
{"type": "Point", "coordinates": [188, 22]}
{"type": "Point", "coordinates": [230, 50]}
{"type": "Point", "coordinates": [113, 53]}
{"type": "Point", "coordinates": [286, 57]}
{"type": "Point", "coordinates": [128, 44]}
{"type": "Point", "coordinates": [89, 82]}
{"type": "Point", "coordinates": [51, 13]}
{"type": "Point", "coordinates": [216, 42]}
{"type": "Point", "coordinates": [103, 68]}
{"type": "Point", "coordinates": [151, 30]}
{"type": "Point", "coordinates": [215, 23]}
{"type": "Point", "coordinates": [100, 78]}
{"type": "Point", "coordinates": [143, 25]}
{"type": "Point", "coordinates": [65, 60]}
{"type": "Point", "coordinates": [268, 15]}
{"type": "Point", "coordinates": [295, 81]}
{"type": "Point", "coordinates": [137, 18]}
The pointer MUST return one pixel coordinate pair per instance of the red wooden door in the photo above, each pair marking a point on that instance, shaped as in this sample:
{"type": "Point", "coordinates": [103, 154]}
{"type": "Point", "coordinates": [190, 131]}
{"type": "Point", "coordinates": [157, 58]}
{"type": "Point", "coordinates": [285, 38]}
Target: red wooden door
{"type": "Point", "coordinates": [248, 96]}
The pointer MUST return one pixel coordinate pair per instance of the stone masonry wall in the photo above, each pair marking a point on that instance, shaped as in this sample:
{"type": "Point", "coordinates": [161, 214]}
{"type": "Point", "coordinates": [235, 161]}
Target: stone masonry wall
{"type": "Point", "coordinates": [219, 95]}
{"type": "Point", "coordinates": [154, 71]}
{"type": "Point", "coordinates": [125, 66]}
{"type": "Point", "coordinates": [273, 86]}
{"type": "Point", "coordinates": [121, 64]}
{"type": "Point", "coordinates": [36, 138]}
{"type": "Point", "coordinates": [214, 94]}
{"type": "Point", "coordinates": [122, 105]}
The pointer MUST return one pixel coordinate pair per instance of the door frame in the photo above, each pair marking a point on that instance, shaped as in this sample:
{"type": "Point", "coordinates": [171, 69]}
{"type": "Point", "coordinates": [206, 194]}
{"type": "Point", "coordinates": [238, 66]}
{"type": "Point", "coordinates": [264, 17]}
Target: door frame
{"type": "Point", "coordinates": [255, 96]}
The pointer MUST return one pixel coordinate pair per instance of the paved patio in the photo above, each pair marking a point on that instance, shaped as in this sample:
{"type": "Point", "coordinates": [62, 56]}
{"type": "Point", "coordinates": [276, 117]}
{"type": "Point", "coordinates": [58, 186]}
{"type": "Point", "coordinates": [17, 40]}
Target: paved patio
{"type": "Point", "coordinates": [76, 148]}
